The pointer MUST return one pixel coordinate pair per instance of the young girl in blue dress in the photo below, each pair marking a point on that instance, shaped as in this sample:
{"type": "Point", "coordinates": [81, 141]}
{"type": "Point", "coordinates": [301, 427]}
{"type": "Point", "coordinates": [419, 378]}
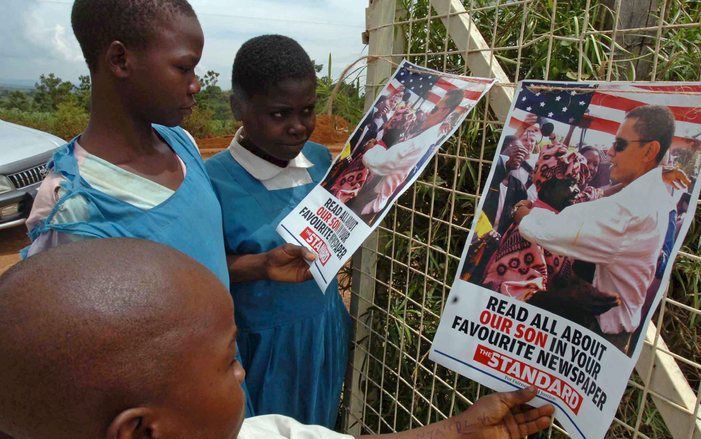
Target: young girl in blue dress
{"type": "Point", "coordinates": [293, 338]}
{"type": "Point", "coordinates": [133, 172]}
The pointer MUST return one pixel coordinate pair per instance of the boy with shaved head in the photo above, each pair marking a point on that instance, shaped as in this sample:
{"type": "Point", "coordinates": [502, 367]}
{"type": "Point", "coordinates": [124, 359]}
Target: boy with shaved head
{"type": "Point", "coordinates": [129, 337]}
{"type": "Point", "coordinates": [133, 339]}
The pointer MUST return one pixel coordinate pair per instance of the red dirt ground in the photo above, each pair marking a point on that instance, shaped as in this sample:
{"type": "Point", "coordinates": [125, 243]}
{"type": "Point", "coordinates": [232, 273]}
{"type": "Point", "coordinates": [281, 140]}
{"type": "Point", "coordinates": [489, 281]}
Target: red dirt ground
{"type": "Point", "coordinates": [331, 131]}
{"type": "Point", "coordinates": [11, 242]}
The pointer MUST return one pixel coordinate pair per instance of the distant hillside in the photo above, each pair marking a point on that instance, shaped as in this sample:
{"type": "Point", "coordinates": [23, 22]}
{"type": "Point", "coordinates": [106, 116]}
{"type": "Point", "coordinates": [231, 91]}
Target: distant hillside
{"type": "Point", "coordinates": [16, 84]}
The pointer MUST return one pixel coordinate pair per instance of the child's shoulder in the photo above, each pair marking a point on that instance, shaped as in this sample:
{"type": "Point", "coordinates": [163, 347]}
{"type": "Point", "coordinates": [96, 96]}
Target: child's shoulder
{"type": "Point", "coordinates": [179, 134]}
{"type": "Point", "coordinates": [222, 158]}
{"type": "Point", "coordinates": [223, 169]}
{"type": "Point", "coordinates": [174, 130]}
{"type": "Point", "coordinates": [316, 152]}
{"type": "Point", "coordinates": [315, 146]}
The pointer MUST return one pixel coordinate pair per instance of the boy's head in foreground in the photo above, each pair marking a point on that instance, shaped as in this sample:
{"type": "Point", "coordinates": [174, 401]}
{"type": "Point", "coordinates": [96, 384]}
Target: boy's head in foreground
{"type": "Point", "coordinates": [141, 55]}
{"type": "Point", "coordinates": [124, 339]}
{"type": "Point", "coordinates": [274, 95]}
{"type": "Point", "coordinates": [117, 338]}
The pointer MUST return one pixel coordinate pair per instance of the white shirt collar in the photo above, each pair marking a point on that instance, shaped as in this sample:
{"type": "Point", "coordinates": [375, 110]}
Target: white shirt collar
{"type": "Point", "coordinates": [259, 168]}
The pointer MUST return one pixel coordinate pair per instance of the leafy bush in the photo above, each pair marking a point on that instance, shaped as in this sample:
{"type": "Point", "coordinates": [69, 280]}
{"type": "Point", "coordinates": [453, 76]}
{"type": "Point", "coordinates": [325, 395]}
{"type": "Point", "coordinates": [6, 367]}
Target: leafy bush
{"type": "Point", "coordinates": [40, 120]}
{"type": "Point", "coordinates": [70, 119]}
{"type": "Point", "coordinates": [197, 123]}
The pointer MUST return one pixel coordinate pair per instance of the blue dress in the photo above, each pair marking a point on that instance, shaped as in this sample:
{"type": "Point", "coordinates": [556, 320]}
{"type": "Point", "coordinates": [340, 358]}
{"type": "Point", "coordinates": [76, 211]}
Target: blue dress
{"type": "Point", "coordinates": [189, 221]}
{"type": "Point", "coordinates": [293, 338]}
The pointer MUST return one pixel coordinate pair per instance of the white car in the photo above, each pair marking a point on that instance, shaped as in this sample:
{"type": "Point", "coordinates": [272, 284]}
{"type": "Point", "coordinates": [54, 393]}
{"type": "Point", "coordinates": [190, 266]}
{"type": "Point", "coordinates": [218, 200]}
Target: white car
{"type": "Point", "coordinates": [24, 153]}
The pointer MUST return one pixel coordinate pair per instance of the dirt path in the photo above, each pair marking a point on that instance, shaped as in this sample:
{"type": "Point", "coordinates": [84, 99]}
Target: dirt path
{"type": "Point", "coordinates": [331, 131]}
{"type": "Point", "coordinates": [11, 242]}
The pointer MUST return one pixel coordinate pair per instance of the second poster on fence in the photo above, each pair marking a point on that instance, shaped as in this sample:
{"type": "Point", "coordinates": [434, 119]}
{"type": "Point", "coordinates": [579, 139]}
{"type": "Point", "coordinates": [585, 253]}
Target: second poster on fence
{"type": "Point", "coordinates": [590, 195]}
{"type": "Point", "coordinates": [412, 116]}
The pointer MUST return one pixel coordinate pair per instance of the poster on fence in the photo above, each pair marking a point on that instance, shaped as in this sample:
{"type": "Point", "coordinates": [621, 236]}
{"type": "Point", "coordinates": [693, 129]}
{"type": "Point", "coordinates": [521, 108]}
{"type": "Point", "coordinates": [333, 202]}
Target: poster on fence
{"type": "Point", "coordinates": [414, 114]}
{"type": "Point", "coordinates": [590, 195]}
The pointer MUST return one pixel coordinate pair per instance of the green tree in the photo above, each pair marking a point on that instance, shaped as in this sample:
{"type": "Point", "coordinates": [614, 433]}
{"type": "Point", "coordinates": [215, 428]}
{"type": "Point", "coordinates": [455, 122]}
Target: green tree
{"type": "Point", "coordinates": [51, 91]}
{"type": "Point", "coordinates": [199, 123]}
{"type": "Point", "coordinates": [70, 118]}
{"type": "Point", "coordinates": [209, 81]}
{"type": "Point", "coordinates": [18, 100]}
{"type": "Point", "coordinates": [348, 102]}
{"type": "Point", "coordinates": [317, 67]}
{"type": "Point", "coordinates": [213, 98]}
{"type": "Point", "coordinates": [211, 92]}
{"type": "Point", "coordinates": [82, 92]}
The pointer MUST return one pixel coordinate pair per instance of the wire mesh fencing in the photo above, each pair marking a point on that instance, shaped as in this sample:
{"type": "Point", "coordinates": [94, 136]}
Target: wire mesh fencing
{"type": "Point", "coordinates": [402, 275]}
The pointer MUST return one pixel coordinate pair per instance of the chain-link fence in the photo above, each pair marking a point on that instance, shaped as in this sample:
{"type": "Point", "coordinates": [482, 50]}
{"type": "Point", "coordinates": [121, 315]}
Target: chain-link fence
{"type": "Point", "coordinates": [402, 275]}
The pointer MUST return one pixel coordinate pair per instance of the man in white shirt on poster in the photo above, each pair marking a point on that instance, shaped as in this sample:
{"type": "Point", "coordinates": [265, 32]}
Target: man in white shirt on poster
{"type": "Point", "coordinates": [622, 234]}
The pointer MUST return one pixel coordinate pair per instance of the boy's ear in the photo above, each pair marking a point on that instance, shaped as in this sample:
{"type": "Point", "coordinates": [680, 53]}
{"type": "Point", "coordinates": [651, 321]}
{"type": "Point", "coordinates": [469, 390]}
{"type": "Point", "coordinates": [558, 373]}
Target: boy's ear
{"type": "Point", "coordinates": [237, 105]}
{"type": "Point", "coordinates": [116, 59]}
{"type": "Point", "coordinates": [134, 423]}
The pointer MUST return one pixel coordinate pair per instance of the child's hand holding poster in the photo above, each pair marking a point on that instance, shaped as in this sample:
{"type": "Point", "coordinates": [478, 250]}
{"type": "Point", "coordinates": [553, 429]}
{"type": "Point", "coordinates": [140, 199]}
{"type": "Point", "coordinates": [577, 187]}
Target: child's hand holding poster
{"type": "Point", "coordinates": [591, 193]}
{"type": "Point", "coordinates": [414, 114]}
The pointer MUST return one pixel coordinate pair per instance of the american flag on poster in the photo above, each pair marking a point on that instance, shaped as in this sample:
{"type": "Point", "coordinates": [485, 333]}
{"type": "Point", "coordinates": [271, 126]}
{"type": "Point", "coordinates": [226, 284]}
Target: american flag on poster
{"type": "Point", "coordinates": [595, 112]}
{"type": "Point", "coordinates": [427, 88]}
{"type": "Point", "coordinates": [611, 104]}
{"type": "Point", "coordinates": [566, 106]}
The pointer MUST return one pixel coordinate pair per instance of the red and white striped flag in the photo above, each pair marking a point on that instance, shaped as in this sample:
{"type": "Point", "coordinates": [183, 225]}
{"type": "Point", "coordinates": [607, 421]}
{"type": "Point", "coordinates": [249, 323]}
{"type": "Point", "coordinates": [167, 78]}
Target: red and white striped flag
{"type": "Point", "coordinates": [428, 88]}
{"type": "Point", "coordinates": [610, 104]}
{"type": "Point", "coordinates": [592, 113]}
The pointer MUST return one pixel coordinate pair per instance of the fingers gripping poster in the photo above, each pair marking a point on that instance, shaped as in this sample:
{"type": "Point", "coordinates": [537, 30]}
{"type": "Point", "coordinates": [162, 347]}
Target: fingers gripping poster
{"type": "Point", "coordinates": [414, 114]}
{"type": "Point", "coordinates": [590, 195]}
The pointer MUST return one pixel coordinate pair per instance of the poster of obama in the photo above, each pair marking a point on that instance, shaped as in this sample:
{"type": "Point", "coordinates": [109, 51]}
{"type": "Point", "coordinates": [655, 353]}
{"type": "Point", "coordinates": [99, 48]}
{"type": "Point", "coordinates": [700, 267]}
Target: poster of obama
{"type": "Point", "coordinates": [590, 195]}
{"type": "Point", "coordinates": [414, 114]}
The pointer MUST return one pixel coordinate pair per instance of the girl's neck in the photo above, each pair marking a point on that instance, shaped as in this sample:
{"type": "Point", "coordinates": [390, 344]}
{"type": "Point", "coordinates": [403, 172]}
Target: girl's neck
{"type": "Point", "coordinates": [116, 136]}
{"type": "Point", "coordinates": [253, 149]}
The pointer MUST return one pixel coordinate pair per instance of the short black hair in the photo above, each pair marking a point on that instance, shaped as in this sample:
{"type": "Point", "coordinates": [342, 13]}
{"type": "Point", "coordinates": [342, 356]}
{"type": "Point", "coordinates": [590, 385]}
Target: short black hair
{"type": "Point", "coordinates": [587, 148]}
{"type": "Point", "coordinates": [381, 99]}
{"type": "Point", "coordinates": [96, 23]}
{"type": "Point", "coordinates": [454, 97]}
{"type": "Point", "coordinates": [266, 60]}
{"type": "Point", "coordinates": [654, 122]}
{"type": "Point", "coordinates": [508, 140]}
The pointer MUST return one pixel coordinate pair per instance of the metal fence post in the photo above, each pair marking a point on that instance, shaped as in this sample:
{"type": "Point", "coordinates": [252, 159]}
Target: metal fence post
{"type": "Point", "coordinates": [382, 41]}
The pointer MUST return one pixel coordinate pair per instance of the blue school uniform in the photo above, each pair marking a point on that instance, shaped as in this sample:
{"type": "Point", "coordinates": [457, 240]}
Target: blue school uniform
{"type": "Point", "coordinates": [190, 220]}
{"type": "Point", "coordinates": [293, 338]}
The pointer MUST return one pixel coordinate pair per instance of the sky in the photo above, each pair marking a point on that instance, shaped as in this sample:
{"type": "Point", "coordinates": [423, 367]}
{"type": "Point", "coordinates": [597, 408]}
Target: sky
{"type": "Point", "coordinates": [37, 36]}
